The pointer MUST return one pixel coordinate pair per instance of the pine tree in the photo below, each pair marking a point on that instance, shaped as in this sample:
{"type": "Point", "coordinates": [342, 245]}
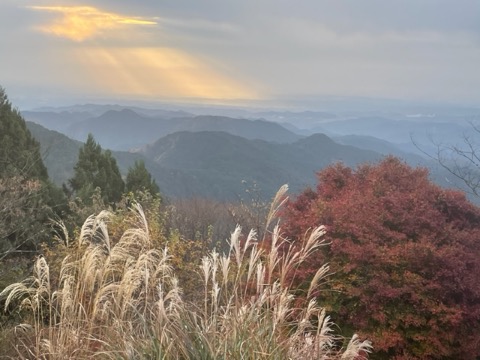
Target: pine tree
{"type": "Point", "coordinates": [114, 184]}
{"type": "Point", "coordinates": [19, 152]}
{"type": "Point", "coordinates": [96, 169]}
{"type": "Point", "coordinates": [139, 179]}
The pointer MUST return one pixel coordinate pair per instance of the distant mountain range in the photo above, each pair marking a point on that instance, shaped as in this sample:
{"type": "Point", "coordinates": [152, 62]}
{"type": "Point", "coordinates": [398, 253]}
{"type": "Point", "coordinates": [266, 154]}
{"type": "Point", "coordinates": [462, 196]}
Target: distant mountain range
{"type": "Point", "coordinates": [214, 156]}
{"type": "Point", "coordinates": [213, 164]}
{"type": "Point", "coordinates": [126, 129]}
{"type": "Point", "coordinates": [403, 133]}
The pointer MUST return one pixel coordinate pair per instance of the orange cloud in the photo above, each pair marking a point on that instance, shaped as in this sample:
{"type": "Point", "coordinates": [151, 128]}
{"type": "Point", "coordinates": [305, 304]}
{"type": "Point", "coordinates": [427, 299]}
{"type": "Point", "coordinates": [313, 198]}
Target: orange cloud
{"type": "Point", "coordinates": [79, 23]}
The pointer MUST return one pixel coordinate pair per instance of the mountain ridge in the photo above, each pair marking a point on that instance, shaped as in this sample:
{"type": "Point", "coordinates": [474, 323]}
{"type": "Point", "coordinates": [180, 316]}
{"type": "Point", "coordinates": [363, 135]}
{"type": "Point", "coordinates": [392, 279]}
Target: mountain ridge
{"type": "Point", "coordinates": [124, 129]}
{"type": "Point", "coordinates": [210, 164]}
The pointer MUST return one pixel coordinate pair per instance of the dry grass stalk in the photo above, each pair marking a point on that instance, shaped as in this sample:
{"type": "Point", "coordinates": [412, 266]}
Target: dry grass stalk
{"type": "Point", "coordinates": [123, 301]}
{"type": "Point", "coordinates": [250, 313]}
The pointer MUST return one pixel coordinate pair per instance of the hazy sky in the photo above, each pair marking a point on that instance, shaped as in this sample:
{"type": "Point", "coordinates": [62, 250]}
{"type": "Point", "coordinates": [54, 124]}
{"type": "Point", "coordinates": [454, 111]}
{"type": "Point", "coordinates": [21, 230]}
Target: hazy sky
{"type": "Point", "coordinates": [59, 50]}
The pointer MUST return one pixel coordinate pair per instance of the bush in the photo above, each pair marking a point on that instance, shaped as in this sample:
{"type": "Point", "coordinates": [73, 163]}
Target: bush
{"type": "Point", "coordinates": [406, 258]}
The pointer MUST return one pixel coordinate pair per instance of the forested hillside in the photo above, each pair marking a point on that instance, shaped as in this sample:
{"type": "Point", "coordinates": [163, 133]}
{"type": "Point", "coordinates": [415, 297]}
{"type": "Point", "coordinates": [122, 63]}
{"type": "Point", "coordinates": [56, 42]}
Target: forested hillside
{"type": "Point", "coordinates": [105, 283]}
{"type": "Point", "coordinates": [213, 164]}
{"type": "Point", "coordinates": [150, 254]}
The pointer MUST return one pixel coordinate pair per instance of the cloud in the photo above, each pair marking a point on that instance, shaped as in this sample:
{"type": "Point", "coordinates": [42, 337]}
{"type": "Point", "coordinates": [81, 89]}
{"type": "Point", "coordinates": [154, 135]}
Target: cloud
{"type": "Point", "coordinates": [129, 57]}
{"type": "Point", "coordinates": [79, 23]}
{"type": "Point", "coordinates": [217, 48]}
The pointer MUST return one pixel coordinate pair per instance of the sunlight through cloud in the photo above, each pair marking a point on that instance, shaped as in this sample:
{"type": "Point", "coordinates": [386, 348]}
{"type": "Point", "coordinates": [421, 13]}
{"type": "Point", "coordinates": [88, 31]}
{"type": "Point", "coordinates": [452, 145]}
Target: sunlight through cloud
{"type": "Point", "coordinates": [158, 72]}
{"type": "Point", "coordinates": [130, 69]}
{"type": "Point", "coordinates": [79, 23]}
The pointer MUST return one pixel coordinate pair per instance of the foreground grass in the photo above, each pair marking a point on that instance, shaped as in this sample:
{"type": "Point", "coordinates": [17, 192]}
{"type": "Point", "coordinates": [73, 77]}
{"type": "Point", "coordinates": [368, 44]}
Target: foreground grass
{"type": "Point", "coordinates": [124, 301]}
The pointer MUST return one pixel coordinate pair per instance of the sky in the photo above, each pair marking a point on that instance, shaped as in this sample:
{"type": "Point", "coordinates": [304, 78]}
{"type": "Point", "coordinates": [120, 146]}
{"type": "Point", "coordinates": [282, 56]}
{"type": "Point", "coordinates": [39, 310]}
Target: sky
{"type": "Point", "coordinates": [58, 51]}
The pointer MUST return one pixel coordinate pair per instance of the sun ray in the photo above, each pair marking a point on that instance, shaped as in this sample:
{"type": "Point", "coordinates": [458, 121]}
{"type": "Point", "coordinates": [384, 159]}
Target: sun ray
{"type": "Point", "coordinates": [157, 72]}
{"type": "Point", "coordinates": [126, 70]}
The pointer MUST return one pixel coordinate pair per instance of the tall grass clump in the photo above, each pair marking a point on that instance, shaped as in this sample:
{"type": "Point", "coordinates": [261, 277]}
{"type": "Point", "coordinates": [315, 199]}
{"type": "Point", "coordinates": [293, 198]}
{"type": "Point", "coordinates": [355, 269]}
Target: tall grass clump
{"type": "Point", "coordinates": [123, 301]}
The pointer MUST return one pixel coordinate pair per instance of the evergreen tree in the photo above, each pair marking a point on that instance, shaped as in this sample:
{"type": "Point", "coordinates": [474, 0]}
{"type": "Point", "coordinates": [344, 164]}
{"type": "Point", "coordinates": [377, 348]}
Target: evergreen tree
{"type": "Point", "coordinates": [139, 179]}
{"type": "Point", "coordinates": [27, 198]}
{"type": "Point", "coordinates": [19, 152]}
{"type": "Point", "coordinates": [94, 169]}
{"type": "Point", "coordinates": [114, 186]}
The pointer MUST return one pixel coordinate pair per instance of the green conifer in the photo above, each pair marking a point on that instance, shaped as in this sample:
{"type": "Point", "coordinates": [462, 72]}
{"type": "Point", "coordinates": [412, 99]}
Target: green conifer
{"type": "Point", "coordinates": [139, 179]}
{"type": "Point", "coordinates": [19, 152]}
{"type": "Point", "coordinates": [96, 169]}
{"type": "Point", "coordinates": [28, 200]}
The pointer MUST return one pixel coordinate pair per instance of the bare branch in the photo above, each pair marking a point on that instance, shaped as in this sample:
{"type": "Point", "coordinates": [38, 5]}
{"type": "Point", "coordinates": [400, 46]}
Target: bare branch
{"type": "Point", "coordinates": [460, 160]}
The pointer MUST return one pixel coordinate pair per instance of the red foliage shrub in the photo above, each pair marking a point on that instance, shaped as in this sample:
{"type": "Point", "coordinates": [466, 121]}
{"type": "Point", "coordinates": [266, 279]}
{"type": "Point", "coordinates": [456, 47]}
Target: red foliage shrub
{"type": "Point", "coordinates": [405, 256]}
